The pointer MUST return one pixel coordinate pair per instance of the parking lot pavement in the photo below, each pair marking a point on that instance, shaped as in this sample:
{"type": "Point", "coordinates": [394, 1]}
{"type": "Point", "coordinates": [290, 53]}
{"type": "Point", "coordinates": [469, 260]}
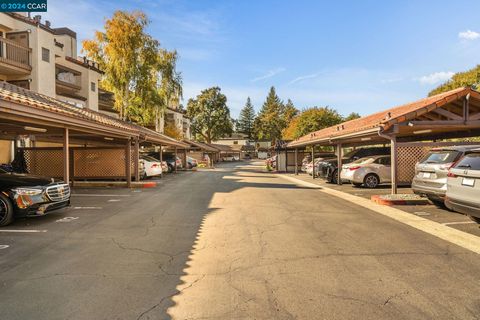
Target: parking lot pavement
{"type": "Point", "coordinates": [432, 212]}
{"type": "Point", "coordinates": [234, 242]}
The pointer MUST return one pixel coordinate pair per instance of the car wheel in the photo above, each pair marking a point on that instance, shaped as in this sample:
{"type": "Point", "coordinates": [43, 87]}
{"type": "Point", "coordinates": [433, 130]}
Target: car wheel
{"type": "Point", "coordinates": [371, 181]}
{"type": "Point", "coordinates": [6, 211]}
{"type": "Point", "coordinates": [356, 184]}
{"type": "Point", "coordinates": [473, 218]}
{"type": "Point", "coordinates": [334, 178]}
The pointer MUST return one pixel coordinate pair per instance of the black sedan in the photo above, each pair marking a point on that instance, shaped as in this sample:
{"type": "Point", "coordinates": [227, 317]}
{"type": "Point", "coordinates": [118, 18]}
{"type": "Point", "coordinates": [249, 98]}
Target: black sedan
{"type": "Point", "coordinates": [23, 195]}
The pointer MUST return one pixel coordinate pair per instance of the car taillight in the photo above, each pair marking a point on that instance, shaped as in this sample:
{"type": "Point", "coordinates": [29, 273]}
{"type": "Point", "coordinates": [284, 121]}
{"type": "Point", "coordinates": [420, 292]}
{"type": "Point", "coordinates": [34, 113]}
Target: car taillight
{"type": "Point", "coordinates": [353, 168]}
{"type": "Point", "coordinates": [451, 175]}
{"type": "Point", "coordinates": [154, 165]}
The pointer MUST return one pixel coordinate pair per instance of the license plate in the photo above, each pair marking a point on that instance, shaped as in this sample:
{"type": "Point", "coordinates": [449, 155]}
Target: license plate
{"type": "Point", "coordinates": [469, 182]}
{"type": "Point", "coordinates": [427, 175]}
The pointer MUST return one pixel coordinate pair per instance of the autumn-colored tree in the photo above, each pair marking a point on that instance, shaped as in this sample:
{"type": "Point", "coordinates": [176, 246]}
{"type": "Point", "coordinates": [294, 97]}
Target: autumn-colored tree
{"type": "Point", "coordinates": [460, 79]}
{"type": "Point", "coordinates": [171, 130]}
{"type": "Point", "coordinates": [290, 132]}
{"type": "Point", "coordinates": [170, 90]}
{"type": "Point", "coordinates": [132, 61]}
{"type": "Point", "coordinates": [289, 112]}
{"type": "Point", "coordinates": [209, 114]}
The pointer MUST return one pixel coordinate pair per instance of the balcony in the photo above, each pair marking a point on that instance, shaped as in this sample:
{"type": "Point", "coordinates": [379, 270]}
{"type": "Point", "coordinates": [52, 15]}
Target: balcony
{"type": "Point", "coordinates": [68, 81]}
{"type": "Point", "coordinates": [14, 58]}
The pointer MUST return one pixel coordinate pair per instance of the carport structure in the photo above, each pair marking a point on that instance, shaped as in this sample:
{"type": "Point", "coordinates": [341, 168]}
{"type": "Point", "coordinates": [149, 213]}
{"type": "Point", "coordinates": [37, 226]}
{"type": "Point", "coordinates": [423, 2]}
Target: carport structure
{"type": "Point", "coordinates": [198, 149]}
{"type": "Point", "coordinates": [71, 142]}
{"type": "Point", "coordinates": [411, 130]}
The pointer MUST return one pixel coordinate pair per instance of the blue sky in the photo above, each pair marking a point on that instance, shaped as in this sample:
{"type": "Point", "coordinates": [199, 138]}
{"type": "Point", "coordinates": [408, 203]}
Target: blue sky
{"type": "Point", "coordinates": [361, 56]}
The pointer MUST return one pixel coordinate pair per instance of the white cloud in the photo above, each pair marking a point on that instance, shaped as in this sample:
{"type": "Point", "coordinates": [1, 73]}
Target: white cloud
{"type": "Point", "coordinates": [269, 74]}
{"type": "Point", "coordinates": [301, 78]}
{"type": "Point", "coordinates": [436, 77]}
{"type": "Point", "coordinates": [468, 35]}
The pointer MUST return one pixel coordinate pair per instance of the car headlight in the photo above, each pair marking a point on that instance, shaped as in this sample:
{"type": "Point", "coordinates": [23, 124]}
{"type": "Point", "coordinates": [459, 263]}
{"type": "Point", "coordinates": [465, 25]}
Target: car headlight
{"type": "Point", "coordinates": [27, 191]}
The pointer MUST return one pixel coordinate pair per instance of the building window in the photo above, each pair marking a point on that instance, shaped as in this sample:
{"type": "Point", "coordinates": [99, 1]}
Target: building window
{"type": "Point", "coordinates": [235, 142]}
{"type": "Point", "coordinates": [92, 86]}
{"type": "Point", "coordinates": [45, 55]}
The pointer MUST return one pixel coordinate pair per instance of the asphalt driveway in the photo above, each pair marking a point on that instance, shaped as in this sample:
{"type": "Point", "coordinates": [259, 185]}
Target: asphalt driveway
{"type": "Point", "coordinates": [230, 243]}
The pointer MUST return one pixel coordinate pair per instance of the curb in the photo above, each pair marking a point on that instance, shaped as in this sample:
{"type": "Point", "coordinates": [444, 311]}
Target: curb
{"type": "Point", "coordinates": [398, 202]}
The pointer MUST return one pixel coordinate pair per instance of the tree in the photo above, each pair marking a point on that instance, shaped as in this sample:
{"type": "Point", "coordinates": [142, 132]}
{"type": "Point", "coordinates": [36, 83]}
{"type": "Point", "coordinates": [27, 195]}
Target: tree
{"type": "Point", "coordinates": [316, 118]}
{"type": "Point", "coordinates": [289, 112]}
{"type": "Point", "coordinates": [210, 116]}
{"type": "Point", "coordinates": [459, 79]}
{"type": "Point", "coordinates": [269, 122]}
{"type": "Point", "coordinates": [172, 131]}
{"type": "Point", "coordinates": [246, 119]}
{"type": "Point", "coordinates": [352, 116]}
{"type": "Point", "coordinates": [132, 61]}
{"type": "Point", "coordinates": [290, 132]}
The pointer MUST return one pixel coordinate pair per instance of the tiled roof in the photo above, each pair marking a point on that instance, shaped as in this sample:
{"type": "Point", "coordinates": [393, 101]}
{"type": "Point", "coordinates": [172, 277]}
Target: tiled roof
{"type": "Point", "coordinates": [383, 118]}
{"type": "Point", "coordinates": [201, 145]}
{"type": "Point", "coordinates": [36, 101]}
{"type": "Point", "coordinates": [221, 147]}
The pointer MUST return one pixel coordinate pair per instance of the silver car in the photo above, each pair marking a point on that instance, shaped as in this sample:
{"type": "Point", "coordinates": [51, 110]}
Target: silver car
{"type": "Point", "coordinates": [463, 186]}
{"type": "Point", "coordinates": [369, 171]}
{"type": "Point", "coordinates": [431, 172]}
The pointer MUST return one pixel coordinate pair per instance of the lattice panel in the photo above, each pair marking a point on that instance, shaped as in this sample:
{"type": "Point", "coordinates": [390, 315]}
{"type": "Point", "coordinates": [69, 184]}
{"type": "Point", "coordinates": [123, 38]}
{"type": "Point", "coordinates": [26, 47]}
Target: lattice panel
{"type": "Point", "coordinates": [44, 162]}
{"type": "Point", "coordinates": [408, 156]}
{"type": "Point", "coordinates": [99, 163]}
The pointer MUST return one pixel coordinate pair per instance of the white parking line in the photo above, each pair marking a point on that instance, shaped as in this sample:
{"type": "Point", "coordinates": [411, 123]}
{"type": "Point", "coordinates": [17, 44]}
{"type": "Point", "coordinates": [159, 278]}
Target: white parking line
{"type": "Point", "coordinates": [99, 195]}
{"type": "Point", "coordinates": [22, 231]}
{"type": "Point", "coordinates": [421, 213]}
{"type": "Point", "coordinates": [87, 208]}
{"type": "Point", "coordinates": [114, 200]}
{"type": "Point", "coordinates": [67, 219]}
{"type": "Point", "coordinates": [458, 222]}
{"type": "Point", "coordinates": [4, 246]}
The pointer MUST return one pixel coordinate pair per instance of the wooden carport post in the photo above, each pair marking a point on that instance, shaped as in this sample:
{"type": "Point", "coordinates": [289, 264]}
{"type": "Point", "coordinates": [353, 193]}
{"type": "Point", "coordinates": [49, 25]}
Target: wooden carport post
{"type": "Point", "coordinates": [161, 160]}
{"type": "Point", "coordinates": [175, 160]}
{"type": "Point", "coordinates": [66, 156]}
{"type": "Point", "coordinates": [296, 161]}
{"type": "Point", "coordinates": [286, 160]}
{"type": "Point", "coordinates": [185, 159]}
{"type": "Point", "coordinates": [136, 159]}
{"type": "Point", "coordinates": [394, 164]}
{"type": "Point", "coordinates": [313, 161]}
{"type": "Point", "coordinates": [339, 163]}
{"type": "Point", "coordinates": [128, 163]}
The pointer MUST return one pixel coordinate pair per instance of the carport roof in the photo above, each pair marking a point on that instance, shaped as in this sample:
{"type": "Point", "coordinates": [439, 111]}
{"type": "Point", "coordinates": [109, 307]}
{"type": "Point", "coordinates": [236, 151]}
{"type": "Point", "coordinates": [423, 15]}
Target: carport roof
{"type": "Point", "coordinates": [383, 120]}
{"type": "Point", "coordinates": [222, 147]}
{"type": "Point", "coordinates": [25, 104]}
{"type": "Point", "coordinates": [201, 145]}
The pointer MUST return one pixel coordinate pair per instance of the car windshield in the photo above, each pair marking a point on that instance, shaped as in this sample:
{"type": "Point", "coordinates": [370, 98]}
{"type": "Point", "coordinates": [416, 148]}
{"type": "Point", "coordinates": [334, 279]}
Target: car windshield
{"type": "Point", "coordinates": [150, 159]}
{"type": "Point", "coordinates": [445, 156]}
{"type": "Point", "coordinates": [470, 161]}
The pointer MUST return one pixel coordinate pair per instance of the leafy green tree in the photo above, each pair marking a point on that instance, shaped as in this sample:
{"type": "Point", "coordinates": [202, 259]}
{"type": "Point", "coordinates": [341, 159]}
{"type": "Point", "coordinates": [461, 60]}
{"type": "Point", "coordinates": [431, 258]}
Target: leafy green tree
{"type": "Point", "coordinates": [352, 116]}
{"type": "Point", "coordinates": [316, 118]}
{"type": "Point", "coordinates": [170, 90]}
{"type": "Point", "coordinates": [460, 79]}
{"type": "Point", "coordinates": [246, 120]}
{"type": "Point", "coordinates": [269, 122]}
{"type": "Point", "coordinates": [129, 58]}
{"type": "Point", "coordinates": [209, 114]}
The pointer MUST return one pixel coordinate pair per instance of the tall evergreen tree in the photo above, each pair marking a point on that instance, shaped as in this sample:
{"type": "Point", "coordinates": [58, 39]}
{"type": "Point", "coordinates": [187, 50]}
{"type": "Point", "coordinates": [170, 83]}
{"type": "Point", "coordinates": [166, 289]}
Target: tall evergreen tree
{"type": "Point", "coordinates": [289, 112]}
{"type": "Point", "coordinates": [269, 122]}
{"type": "Point", "coordinates": [246, 120]}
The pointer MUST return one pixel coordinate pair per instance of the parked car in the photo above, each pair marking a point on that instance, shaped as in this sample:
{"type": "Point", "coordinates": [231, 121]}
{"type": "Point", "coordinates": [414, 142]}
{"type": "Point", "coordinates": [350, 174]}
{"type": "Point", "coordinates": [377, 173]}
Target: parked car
{"type": "Point", "coordinates": [152, 167]}
{"type": "Point", "coordinates": [463, 186]}
{"type": "Point", "coordinates": [431, 172]}
{"type": "Point", "coordinates": [369, 171]}
{"type": "Point", "coordinates": [191, 162]}
{"type": "Point", "coordinates": [169, 158]}
{"type": "Point", "coordinates": [272, 161]}
{"type": "Point", "coordinates": [328, 168]}
{"type": "Point", "coordinates": [23, 195]}
{"type": "Point", "coordinates": [318, 160]}
{"type": "Point", "coordinates": [164, 167]}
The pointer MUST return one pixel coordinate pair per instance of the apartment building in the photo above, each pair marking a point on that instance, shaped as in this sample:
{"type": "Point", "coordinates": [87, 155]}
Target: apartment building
{"type": "Point", "coordinates": [36, 56]}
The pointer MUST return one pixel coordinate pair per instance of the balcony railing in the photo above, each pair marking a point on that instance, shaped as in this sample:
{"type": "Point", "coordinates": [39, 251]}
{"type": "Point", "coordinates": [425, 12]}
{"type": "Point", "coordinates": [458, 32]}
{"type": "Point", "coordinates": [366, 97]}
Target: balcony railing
{"type": "Point", "coordinates": [15, 54]}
